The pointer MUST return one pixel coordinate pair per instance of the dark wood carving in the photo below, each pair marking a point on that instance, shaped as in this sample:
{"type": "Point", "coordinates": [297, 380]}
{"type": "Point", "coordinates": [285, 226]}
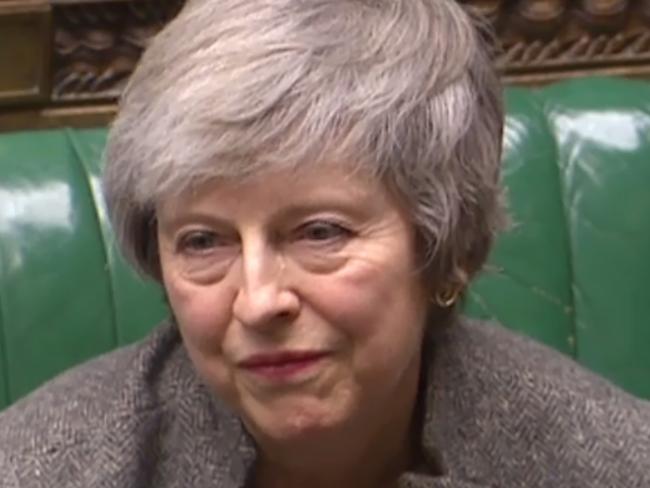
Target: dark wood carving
{"type": "Point", "coordinates": [97, 45]}
{"type": "Point", "coordinates": [90, 47]}
{"type": "Point", "coordinates": [548, 40]}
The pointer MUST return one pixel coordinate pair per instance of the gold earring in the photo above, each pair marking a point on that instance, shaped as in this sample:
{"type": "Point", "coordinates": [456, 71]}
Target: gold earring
{"type": "Point", "coordinates": [447, 297]}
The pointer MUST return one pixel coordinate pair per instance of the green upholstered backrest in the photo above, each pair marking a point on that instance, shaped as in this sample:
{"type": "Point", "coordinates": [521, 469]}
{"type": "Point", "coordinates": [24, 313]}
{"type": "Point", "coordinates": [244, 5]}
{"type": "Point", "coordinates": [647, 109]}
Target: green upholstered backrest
{"type": "Point", "coordinates": [573, 271]}
{"type": "Point", "coordinates": [65, 293]}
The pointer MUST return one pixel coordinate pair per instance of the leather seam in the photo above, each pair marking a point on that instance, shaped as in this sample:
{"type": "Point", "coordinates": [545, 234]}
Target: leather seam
{"type": "Point", "coordinates": [108, 268]}
{"type": "Point", "coordinates": [541, 100]}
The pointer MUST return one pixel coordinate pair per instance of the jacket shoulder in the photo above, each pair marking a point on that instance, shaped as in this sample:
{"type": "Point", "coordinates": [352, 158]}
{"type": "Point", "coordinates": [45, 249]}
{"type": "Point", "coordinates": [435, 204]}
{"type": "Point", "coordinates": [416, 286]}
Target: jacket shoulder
{"type": "Point", "coordinates": [539, 416]}
{"type": "Point", "coordinates": [48, 437]}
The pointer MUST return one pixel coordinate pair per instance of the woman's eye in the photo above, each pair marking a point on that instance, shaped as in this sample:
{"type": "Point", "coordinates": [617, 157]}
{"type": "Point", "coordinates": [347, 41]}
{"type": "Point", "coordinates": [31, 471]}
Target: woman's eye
{"type": "Point", "coordinates": [323, 231]}
{"type": "Point", "coordinates": [199, 242]}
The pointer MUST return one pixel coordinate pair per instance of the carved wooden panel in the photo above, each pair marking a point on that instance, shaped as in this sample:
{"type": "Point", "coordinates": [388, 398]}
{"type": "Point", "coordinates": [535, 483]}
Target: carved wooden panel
{"type": "Point", "coordinates": [24, 52]}
{"type": "Point", "coordinates": [97, 45]}
{"type": "Point", "coordinates": [79, 53]}
{"type": "Point", "coordinates": [547, 40]}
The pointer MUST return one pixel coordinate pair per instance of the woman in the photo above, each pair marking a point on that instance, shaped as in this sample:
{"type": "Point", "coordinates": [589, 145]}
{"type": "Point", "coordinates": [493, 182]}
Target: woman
{"type": "Point", "coordinates": [315, 183]}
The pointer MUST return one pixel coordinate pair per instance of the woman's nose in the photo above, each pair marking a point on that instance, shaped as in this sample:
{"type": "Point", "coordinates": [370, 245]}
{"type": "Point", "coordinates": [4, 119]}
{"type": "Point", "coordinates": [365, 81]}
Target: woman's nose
{"type": "Point", "coordinates": [263, 298]}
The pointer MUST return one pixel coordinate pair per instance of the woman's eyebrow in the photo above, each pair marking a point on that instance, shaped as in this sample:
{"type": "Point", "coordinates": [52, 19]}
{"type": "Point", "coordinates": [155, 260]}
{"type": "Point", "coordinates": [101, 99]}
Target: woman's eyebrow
{"type": "Point", "coordinates": [355, 208]}
{"type": "Point", "coordinates": [179, 219]}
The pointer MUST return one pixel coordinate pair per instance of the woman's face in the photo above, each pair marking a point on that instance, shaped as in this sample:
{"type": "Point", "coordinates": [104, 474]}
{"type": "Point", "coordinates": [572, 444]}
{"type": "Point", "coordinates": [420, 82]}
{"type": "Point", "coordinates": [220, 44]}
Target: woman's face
{"type": "Point", "coordinates": [297, 297]}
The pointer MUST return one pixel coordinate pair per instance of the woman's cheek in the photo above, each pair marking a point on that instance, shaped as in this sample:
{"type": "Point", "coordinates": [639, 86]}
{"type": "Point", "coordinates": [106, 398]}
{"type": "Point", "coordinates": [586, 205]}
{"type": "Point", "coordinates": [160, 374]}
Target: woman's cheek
{"type": "Point", "coordinates": [202, 313]}
{"type": "Point", "coordinates": [355, 298]}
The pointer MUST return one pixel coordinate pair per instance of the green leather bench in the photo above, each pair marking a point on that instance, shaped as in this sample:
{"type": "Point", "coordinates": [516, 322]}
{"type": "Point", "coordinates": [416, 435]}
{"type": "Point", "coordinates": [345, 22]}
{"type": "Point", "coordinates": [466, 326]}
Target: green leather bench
{"type": "Point", "coordinates": [574, 271]}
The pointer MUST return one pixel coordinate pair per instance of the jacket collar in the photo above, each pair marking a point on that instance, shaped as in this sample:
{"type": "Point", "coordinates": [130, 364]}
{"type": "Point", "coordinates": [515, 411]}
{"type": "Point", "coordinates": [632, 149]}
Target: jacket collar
{"type": "Point", "coordinates": [447, 419]}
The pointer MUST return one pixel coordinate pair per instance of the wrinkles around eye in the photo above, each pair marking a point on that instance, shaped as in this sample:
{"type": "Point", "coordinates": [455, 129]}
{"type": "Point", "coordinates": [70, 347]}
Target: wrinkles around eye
{"type": "Point", "coordinates": [315, 233]}
{"type": "Point", "coordinates": [200, 242]}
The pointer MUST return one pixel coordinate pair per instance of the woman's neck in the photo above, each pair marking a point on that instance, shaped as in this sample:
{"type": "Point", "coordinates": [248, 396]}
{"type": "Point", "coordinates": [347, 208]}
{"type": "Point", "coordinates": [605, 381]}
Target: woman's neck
{"type": "Point", "coordinates": [377, 464]}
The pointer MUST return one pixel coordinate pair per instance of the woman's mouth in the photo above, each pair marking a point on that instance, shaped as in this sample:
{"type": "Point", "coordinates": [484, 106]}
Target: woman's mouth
{"type": "Point", "coordinates": [282, 366]}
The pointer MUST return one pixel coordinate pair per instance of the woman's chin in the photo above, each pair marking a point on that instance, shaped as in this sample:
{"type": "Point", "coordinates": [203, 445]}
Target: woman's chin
{"type": "Point", "coordinates": [297, 421]}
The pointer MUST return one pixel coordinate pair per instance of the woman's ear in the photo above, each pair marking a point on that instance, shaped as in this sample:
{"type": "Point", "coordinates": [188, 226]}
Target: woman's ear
{"type": "Point", "coordinates": [446, 295]}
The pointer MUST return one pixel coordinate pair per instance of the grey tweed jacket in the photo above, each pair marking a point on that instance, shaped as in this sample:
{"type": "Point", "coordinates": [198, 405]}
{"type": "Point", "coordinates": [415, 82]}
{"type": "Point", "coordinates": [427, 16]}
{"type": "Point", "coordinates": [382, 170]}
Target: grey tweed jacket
{"type": "Point", "coordinates": [498, 411]}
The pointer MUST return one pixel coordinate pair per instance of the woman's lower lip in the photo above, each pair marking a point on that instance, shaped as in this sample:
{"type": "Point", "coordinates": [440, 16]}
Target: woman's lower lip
{"type": "Point", "coordinates": [286, 370]}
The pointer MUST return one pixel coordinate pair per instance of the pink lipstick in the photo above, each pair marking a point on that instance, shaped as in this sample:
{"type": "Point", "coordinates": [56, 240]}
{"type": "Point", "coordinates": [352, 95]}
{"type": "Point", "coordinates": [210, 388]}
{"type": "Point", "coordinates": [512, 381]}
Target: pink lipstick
{"type": "Point", "coordinates": [282, 365]}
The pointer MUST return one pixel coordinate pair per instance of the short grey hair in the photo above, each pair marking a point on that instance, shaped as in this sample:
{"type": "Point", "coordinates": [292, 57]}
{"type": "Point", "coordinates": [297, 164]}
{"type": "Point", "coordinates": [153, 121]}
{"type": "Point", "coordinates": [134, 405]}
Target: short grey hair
{"type": "Point", "coordinates": [404, 89]}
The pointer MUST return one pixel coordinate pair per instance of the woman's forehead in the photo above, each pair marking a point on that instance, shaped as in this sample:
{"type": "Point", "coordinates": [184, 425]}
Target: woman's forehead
{"type": "Point", "coordinates": [325, 185]}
